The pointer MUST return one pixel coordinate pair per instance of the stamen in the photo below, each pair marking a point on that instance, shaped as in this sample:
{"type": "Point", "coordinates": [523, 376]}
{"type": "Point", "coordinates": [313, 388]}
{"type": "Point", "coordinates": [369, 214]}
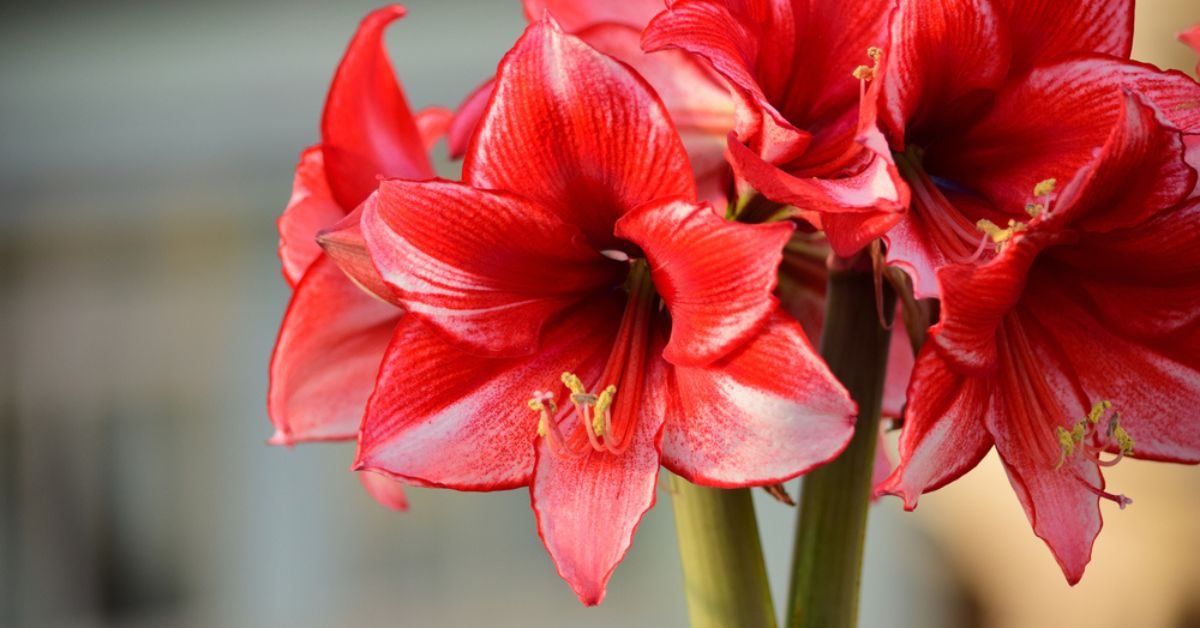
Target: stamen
{"type": "Point", "coordinates": [1000, 237]}
{"type": "Point", "coordinates": [1089, 441]}
{"type": "Point", "coordinates": [868, 73]}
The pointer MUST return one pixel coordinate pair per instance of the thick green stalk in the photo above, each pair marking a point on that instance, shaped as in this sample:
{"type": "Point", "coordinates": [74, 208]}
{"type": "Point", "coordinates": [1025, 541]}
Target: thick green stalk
{"type": "Point", "coordinates": [724, 576]}
{"type": "Point", "coordinates": [832, 524]}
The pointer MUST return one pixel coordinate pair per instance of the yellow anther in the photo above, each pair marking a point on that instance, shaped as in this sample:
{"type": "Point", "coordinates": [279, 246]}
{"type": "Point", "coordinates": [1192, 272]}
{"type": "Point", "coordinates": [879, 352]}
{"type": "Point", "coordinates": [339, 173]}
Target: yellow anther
{"type": "Point", "coordinates": [1066, 445]}
{"type": "Point", "coordinates": [875, 53]}
{"type": "Point", "coordinates": [603, 403]}
{"type": "Point", "coordinates": [1124, 440]}
{"type": "Point", "coordinates": [1045, 188]}
{"type": "Point", "coordinates": [996, 233]}
{"type": "Point", "coordinates": [864, 73]}
{"type": "Point", "coordinates": [574, 384]}
{"type": "Point", "coordinates": [1098, 411]}
{"type": "Point", "coordinates": [542, 427]}
{"type": "Point", "coordinates": [1034, 209]}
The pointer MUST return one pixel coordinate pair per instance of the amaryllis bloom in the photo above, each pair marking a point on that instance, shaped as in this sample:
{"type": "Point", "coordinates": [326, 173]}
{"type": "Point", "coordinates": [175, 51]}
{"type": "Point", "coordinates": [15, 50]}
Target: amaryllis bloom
{"type": "Point", "coordinates": [803, 135]}
{"type": "Point", "coordinates": [1191, 37]}
{"type": "Point", "coordinates": [575, 318]}
{"type": "Point", "coordinates": [983, 99]}
{"type": "Point", "coordinates": [698, 102]}
{"type": "Point", "coordinates": [1078, 344]}
{"type": "Point", "coordinates": [334, 334]}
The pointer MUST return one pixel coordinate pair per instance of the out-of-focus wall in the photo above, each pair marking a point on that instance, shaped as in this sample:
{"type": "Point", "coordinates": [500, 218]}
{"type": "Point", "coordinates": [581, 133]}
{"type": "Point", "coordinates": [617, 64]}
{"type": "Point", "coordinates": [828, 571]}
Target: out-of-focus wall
{"type": "Point", "coordinates": [146, 151]}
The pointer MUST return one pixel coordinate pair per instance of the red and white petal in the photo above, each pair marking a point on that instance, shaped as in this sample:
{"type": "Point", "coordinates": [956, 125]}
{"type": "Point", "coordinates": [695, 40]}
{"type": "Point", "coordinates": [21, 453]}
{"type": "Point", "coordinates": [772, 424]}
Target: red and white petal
{"type": "Point", "coordinates": [310, 209]}
{"type": "Point", "coordinates": [388, 491]}
{"type": "Point", "coordinates": [1045, 29]}
{"type": "Point", "coordinates": [368, 130]}
{"type": "Point", "coordinates": [433, 123]}
{"type": "Point", "coordinates": [761, 415]}
{"type": "Point", "coordinates": [326, 358]}
{"type": "Point", "coordinates": [590, 150]}
{"type": "Point", "coordinates": [344, 243]}
{"type": "Point", "coordinates": [944, 56]}
{"type": "Point", "coordinates": [944, 433]}
{"type": "Point", "coordinates": [1035, 393]}
{"type": "Point", "coordinates": [576, 15]}
{"type": "Point", "coordinates": [588, 507]}
{"type": "Point", "coordinates": [715, 276]}
{"type": "Point", "coordinates": [443, 417]}
{"type": "Point", "coordinates": [899, 369]}
{"type": "Point", "coordinates": [486, 269]}
{"type": "Point", "coordinates": [466, 118]}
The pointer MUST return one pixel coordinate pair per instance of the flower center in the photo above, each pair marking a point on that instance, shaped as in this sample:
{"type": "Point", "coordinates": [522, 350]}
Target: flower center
{"type": "Point", "coordinates": [1089, 440]}
{"type": "Point", "coordinates": [951, 233]}
{"type": "Point", "coordinates": [599, 421]}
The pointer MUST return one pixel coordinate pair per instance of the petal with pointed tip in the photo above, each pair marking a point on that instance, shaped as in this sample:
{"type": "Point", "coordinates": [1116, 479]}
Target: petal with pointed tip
{"type": "Point", "coordinates": [590, 150]}
{"type": "Point", "coordinates": [486, 269]}
{"type": "Point", "coordinates": [432, 124]}
{"type": "Point", "coordinates": [588, 508]}
{"type": "Point", "coordinates": [761, 415]}
{"type": "Point", "coordinates": [344, 243]}
{"type": "Point", "coordinates": [368, 130]}
{"type": "Point", "coordinates": [328, 352]}
{"type": "Point", "coordinates": [389, 492]}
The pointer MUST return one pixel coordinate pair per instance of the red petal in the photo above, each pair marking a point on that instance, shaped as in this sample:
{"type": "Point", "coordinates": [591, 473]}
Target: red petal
{"type": "Point", "coordinates": [576, 15]}
{"type": "Point", "coordinates": [944, 55]}
{"type": "Point", "coordinates": [1045, 29]}
{"type": "Point", "coordinates": [1154, 384]}
{"type": "Point", "coordinates": [1039, 130]}
{"type": "Point", "coordinates": [976, 298]}
{"type": "Point", "coordinates": [761, 415]}
{"type": "Point", "coordinates": [588, 508]}
{"type": "Point", "coordinates": [1035, 394]}
{"type": "Point", "coordinates": [899, 369]}
{"type": "Point", "coordinates": [591, 150]}
{"type": "Point", "coordinates": [944, 432]}
{"type": "Point", "coordinates": [1139, 172]}
{"type": "Point", "coordinates": [486, 269]}
{"type": "Point", "coordinates": [310, 209]}
{"type": "Point", "coordinates": [715, 276]}
{"type": "Point", "coordinates": [344, 243]}
{"type": "Point", "coordinates": [387, 491]}
{"type": "Point", "coordinates": [432, 124]}
{"type": "Point", "coordinates": [466, 118]}
{"type": "Point", "coordinates": [446, 418]}
{"type": "Point", "coordinates": [367, 130]}
{"type": "Point", "coordinates": [326, 357]}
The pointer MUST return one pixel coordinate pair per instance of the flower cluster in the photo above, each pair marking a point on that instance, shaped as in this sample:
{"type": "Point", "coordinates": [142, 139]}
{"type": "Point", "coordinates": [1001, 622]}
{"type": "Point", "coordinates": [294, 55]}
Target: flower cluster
{"type": "Point", "coordinates": [623, 276]}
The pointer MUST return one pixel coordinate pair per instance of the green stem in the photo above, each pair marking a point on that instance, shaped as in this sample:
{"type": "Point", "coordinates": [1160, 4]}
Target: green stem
{"type": "Point", "coordinates": [832, 525]}
{"type": "Point", "coordinates": [724, 576]}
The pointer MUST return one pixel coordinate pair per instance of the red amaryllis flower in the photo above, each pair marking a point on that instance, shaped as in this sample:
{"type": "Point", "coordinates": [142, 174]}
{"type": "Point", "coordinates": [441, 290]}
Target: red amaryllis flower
{"type": "Point", "coordinates": [801, 137]}
{"type": "Point", "coordinates": [1191, 37]}
{"type": "Point", "coordinates": [697, 101]}
{"type": "Point", "coordinates": [333, 335]}
{"type": "Point", "coordinates": [576, 320]}
{"type": "Point", "coordinates": [983, 99]}
{"type": "Point", "coordinates": [1078, 344]}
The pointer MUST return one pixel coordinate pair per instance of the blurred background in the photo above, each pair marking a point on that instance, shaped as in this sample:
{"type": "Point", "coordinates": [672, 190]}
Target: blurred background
{"type": "Point", "coordinates": [146, 149]}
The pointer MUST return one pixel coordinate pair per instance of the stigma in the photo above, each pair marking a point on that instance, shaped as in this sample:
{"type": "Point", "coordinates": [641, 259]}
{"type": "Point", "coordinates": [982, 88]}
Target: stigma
{"type": "Point", "coordinates": [1098, 432]}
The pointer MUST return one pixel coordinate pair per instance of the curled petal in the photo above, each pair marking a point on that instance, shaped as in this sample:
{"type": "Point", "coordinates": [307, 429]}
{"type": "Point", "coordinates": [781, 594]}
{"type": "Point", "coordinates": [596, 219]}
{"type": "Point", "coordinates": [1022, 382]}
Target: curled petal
{"type": "Point", "coordinates": [715, 276]}
{"type": "Point", "coordinates": [368, 130]}
{"type": "Point", "coordinates": [591, 150]}
{"type": "Point", "coordinates": [761, 415]}
{"type": "Point", "coordinates": [588, 508]}
{"type": "Point", "coordinates": [466, 118]}
{"type": "Point", "coordinates": [442, 417]}
{"type": "Point", "coordinates": [310, 209]}
{"type": "Point", "coordinates": [328, 352]}
{"type": "Point", "coordinates": [344, 243]}
{"type": "Point", "coordinates": [486, 269]}
{"type": "Point", "coordinates": [432, 124]}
